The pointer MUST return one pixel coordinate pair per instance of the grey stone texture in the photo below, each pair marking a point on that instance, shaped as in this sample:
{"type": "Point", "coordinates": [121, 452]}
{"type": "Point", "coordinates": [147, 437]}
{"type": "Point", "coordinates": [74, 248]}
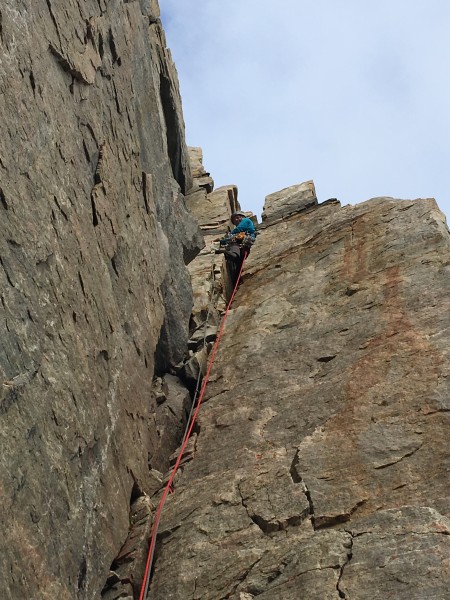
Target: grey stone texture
{"type": "Point", "coordinates": [210, 279]}
{"type": "Point", "coordinates": [94, 291]}
{"type": "Point", "coordinates": [127, 570]}
{"type": "Point", "coordinates": [209, 275]}
{"type": "Point", "coordinates": [322, 462]}
{"type": "Point", "coordinates": [319, 465]}
{"type": "Point", "coordinates": [289, 200]}
{"type": "Point", "coordinates": [201, 179]}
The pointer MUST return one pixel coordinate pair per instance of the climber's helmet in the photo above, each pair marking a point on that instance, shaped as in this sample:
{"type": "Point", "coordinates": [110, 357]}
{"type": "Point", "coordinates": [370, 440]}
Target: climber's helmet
{"type": "Point", "coordinates": [237, 216]}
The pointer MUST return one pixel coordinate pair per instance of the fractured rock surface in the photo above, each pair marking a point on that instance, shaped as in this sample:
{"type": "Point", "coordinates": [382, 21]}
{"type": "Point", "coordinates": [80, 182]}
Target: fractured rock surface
{"type": "Point", "coordinates": [210, 278]}
{"type": "Point", "coordinates": [321, 464]}
{"type": "Point", "coordinates": [94, 291]}
{"type": "Point", "coordinates": [289, 200]}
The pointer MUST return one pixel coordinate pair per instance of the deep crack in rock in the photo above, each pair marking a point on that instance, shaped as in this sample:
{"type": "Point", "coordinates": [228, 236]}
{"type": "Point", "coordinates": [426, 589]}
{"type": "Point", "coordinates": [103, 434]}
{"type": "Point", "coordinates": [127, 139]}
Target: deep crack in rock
{"type": "Point", "coordinates": [296, 478]}
{"type": "Point", "coordinates": [349, 558]}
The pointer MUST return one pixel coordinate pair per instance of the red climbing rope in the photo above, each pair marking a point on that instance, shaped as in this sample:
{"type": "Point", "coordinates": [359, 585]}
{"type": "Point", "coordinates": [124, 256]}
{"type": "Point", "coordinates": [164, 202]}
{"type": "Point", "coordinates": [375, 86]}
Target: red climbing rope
{"type": "Point", "coordinates": [168, 488]}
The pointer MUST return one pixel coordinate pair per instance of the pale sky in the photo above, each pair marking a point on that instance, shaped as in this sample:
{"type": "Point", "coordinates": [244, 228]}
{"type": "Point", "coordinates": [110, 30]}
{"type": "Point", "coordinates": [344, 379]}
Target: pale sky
{"type": "Point", "coordinates": [352, 94]}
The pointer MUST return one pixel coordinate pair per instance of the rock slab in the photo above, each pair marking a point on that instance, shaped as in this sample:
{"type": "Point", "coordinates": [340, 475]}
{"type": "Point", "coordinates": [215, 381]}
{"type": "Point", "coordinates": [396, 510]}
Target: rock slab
{"type": "Point", "coordinates": [94, 291]}
{"type": "Point", "coordinates": [321, 464]}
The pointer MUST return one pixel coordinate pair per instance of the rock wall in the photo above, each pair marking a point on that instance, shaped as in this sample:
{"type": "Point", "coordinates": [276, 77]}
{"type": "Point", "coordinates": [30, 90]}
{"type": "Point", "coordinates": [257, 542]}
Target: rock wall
{"type": "Point", "coordinates": [321, 464]}
{"type": "Point", "coordinates": [319, 467]}
{"type": "Point", "coordinates": [211, 280]}
{"type": "Point", "coordinates": [94, 292]}
{"type": "Point", "coordinates": [212, 209]}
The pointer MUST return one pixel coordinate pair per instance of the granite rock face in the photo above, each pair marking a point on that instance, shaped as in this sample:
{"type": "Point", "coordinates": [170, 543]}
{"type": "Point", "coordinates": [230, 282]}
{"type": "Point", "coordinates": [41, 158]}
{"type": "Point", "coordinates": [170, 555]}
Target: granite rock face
{"type": "Point", "coordinates": [94, 291]}
{"type": "Point", "coordinates": [319, 466]}
{"type": "Point", "coordinates": [289, 200]}
{"type": "Point", "coordinates": [322, 465]}
{"type": "Point", "coordinates": [201, 179]}
{"type": "Point", "coordinates": [211, 281]}
{"type": "Point", "coordinates": [213, 213]}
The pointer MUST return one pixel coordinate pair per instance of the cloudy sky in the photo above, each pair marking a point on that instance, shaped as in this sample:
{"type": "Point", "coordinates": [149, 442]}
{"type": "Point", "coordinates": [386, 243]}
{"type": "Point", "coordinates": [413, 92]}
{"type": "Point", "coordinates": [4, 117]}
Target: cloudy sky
{"type": "Point", "coordinates": [352, 94]}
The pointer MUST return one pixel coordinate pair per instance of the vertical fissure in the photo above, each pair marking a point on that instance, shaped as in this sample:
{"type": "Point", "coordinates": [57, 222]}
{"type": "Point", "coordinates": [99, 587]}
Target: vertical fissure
{"type": "Point", "coordinates": [3, 201]}
{"type": "Point", "coordinates": [172, 131]}
{"type": "Point", "coordinates": [339, 584]}
{"type": "Point", "coordinates": [297, 478]}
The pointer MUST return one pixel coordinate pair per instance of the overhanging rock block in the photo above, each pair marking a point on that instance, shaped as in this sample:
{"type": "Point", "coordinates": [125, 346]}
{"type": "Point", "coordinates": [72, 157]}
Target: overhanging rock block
{"type": "Point", "coordinates": [288, 200]}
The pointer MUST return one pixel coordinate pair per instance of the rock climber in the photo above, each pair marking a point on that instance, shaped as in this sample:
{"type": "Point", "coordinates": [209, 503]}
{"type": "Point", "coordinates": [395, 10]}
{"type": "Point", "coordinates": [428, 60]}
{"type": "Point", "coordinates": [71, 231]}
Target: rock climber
{"type": "Point", "coordinates": [239, 238]}
{"type": "Point", "coordinates": [242, 223]}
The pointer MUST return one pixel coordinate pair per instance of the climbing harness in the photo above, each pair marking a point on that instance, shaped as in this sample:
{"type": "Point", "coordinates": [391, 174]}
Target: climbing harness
{"type": "Point", "coordinates": [242, 239]}
{"type": "Point", "coordinates": [193, 417]}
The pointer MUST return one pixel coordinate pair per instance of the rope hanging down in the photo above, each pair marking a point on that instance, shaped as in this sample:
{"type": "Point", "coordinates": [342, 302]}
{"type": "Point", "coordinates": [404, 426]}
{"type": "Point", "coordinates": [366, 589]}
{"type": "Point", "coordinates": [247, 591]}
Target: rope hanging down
{"type": "Point", "coordinates": [212, 296]}
{"type": "Point", "coordinates": [151, 552]}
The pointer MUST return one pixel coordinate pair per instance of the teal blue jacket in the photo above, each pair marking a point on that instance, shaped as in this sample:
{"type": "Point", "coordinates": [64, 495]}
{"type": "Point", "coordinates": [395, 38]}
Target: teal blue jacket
{"type": "Point", "coordinates": [246, 225]}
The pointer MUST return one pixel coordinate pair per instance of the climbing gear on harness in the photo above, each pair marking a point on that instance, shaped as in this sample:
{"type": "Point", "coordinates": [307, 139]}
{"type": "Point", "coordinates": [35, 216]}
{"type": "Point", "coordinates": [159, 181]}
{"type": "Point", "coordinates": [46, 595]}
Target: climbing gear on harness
{"type": "Point", "coordinates": [242, 239]}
